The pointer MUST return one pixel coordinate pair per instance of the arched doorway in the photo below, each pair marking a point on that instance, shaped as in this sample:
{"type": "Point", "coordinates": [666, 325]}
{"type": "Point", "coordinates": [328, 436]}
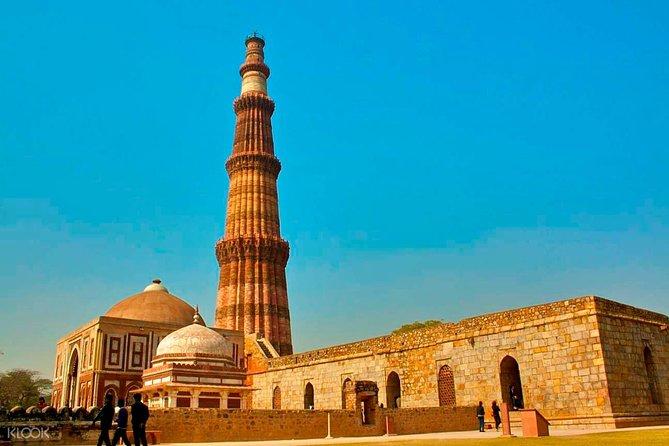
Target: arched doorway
{"type": "Point", "coordinates": [276, 398]}
{"type": "Point", "coordinates": [393, 391]}
{"type": "Point", "coordinates": [651, 373]}
{"type": "Point", "coordinates": [130, 393]}
{"type": "Point", "coordinates": [510, 382]}
{"type": "Point", "coordinates": [309, 396]}
{"type": "Point", "coordinates": [72, 380]}
{"type": "Point", "coordinates": [348, 396]}
{"type": "Point", "coordinates": [446, 387]}
{"type": "Point", "coordinates": [110, 391]}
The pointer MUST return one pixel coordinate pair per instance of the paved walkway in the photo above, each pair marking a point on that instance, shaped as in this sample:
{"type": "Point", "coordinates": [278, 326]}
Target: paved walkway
{"type": "Point", "coordinates": [433, 436]}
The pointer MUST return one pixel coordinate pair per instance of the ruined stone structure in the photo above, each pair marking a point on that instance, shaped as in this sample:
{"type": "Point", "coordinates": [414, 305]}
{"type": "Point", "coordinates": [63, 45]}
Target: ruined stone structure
{"type": "Point", "coordinates": [252, 256]}
{"type": "Point", "coordinates": [582, 362]}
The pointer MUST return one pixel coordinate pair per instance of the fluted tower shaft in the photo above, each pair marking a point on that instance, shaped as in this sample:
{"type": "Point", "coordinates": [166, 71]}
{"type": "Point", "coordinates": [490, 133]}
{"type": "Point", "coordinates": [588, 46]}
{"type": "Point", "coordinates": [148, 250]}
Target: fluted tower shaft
{"type": "Point", "coordinates": [252, 256]}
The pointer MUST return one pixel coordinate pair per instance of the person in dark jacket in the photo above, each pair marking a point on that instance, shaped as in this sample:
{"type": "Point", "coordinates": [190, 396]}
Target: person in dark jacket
{"type": "Point", "coordinates": [480, 414]}
{"type": "Point", "coordinates": [496, 415]}
{"type": "Point", "coordinates": [515, 399]}
{"type": "Point", "coordinates": [106, 417]}
{"type": "Point", "coordinates": [121, 425]}
{"type": "Point", "coordinates": [140, 415]}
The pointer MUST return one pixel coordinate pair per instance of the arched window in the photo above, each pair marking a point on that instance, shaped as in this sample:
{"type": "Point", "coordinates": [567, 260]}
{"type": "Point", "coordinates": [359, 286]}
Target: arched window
{"type": "Point", "coordinates": [309, 396]}
{"type": "Point", "coordinates": [509, 379]}
{"type": "Point", "coordinates": [276, 398]}
{"type": "Point", "coordinates": [72, 380]}
{"type": "Point", "coordinates": [651, 374]}
{"type": "Point", "coordinates": [393, 391]}
{"type": "Point", "coordinates": [348, 395]}
{"type": "Point", "coordinates": [446, 387]}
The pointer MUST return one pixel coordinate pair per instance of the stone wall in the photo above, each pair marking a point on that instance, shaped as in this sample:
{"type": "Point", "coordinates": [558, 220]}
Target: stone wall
{"type": "Point", "coordinates": [625, 335]}
{"type": "Point", "coordinates": [431, 419]}
{"type": "Point", "coordinates": [215, 425]}
{"type": "Point", "coordinates": [558, 348]}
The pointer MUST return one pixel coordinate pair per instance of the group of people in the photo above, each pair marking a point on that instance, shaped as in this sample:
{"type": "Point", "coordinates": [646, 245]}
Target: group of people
{"type": "Point", "coordinates": [516, 403]}
{"type": "Point", "coordinates": [496, 414]}
{"type": "Point", "coordinates": [140, 415]}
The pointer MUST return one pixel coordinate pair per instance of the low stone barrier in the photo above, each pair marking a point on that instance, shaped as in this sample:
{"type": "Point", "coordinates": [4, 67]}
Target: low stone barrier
{"type": "Point", "coordinates": [214, 425]}
{"type": "Point", "coordinates": [217, 425]}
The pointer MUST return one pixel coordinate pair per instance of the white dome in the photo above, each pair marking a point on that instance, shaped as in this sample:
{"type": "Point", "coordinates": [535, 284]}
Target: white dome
{"type": "Point", "coordinates": [194, 342]}
{"type": "Point", "coordinates": [156, 285]}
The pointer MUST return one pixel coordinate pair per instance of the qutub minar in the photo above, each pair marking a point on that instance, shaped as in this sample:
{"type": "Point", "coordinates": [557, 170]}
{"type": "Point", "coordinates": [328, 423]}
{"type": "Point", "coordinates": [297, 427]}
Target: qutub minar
{"type": "Point", "coordinates": [252, 294]}
{"type": "Point", "coordinates": [582, 362]}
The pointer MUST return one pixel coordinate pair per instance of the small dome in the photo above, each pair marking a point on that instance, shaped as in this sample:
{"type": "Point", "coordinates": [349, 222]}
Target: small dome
{"type": "Point", "coordinates": [154, 304]}
{"type": "Point", "coordinates": [193, 341]}
{"type": "Point", "coordinates": [156, 285]}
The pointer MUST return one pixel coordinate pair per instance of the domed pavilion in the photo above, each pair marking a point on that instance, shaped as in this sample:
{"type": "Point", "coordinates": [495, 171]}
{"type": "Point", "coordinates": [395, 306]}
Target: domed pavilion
{"type": "Point", "coordinates": [194, 367]}
{"type": "Point", "coordinates": [110, 353]}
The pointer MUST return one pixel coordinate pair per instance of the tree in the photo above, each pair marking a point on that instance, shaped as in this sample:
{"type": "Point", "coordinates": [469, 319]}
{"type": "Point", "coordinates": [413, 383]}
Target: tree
{"type": "Point", "coordinates": [416, 325]}
{"type": "Point", "coordinates": [22, 387]}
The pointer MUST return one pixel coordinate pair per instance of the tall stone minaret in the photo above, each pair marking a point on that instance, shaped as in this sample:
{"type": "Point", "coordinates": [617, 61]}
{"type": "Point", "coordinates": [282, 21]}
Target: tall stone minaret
{"type": "Point", "coordinates": [252, 255]}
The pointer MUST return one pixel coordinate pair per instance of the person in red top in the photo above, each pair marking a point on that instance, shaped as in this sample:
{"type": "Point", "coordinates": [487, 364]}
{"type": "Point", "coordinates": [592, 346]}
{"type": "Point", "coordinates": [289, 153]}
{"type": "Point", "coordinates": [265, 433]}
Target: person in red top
{"type": "Point", "coordinates": [41, 403]}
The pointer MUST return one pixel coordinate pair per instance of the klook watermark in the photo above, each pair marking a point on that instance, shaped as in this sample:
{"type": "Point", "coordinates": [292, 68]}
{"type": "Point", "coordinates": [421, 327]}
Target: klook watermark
{"type": "Point", "coordinates": [30, 433]}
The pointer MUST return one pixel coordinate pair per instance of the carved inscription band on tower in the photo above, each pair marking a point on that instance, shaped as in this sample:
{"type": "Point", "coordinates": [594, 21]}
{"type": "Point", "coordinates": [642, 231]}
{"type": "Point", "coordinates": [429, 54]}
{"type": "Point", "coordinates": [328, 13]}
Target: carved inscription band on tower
{"type": "Point", "coordinates": [252, 256]}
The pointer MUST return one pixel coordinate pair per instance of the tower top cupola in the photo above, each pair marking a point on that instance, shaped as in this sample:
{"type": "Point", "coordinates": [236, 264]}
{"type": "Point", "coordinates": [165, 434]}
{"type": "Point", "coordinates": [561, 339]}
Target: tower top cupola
{"type": "Point", "coordinates": [254, 72]}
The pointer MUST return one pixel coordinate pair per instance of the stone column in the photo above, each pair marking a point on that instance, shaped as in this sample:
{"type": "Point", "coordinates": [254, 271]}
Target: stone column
{"type": "Point", "coordinates": [172, 398]}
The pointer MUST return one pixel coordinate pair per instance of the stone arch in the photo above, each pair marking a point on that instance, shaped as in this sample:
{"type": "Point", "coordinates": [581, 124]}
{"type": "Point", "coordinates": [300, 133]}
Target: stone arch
{"type": "Point", "coordinates": [510, 382]}
{"type": "Point", "coordinates": [130, 391]}
{"type": "Point", "coordinates": [446, 386]}
{"type": "Point", "coordinates": [111, 390]}
{"type": "Point", "coordinates": [348, 397]}
{"type": "Point", "coordinates": [393, 391]}
{"type": "Point", "coordinates": [276, 398]}
{"type": "Point", "coordinates": [651, 374]}
{"type": "Point", "coordinates": [72, 389]}
{"type": "Point", "coordinates": [309, 396]}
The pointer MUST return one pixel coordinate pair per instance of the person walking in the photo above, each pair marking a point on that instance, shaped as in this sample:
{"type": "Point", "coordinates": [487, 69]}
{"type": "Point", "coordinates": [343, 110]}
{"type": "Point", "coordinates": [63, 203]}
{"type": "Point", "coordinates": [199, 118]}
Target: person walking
{"type": "Point", "coordinates": [106, 416]}
{"type": "Point", "coordinates": [140, 415]}
{"type": "Point", "coordinates": [480, 414]}
{"type": "Point", "coordinates": [121, 425]}
{"type": "Point", "coordinates": [496, 415]}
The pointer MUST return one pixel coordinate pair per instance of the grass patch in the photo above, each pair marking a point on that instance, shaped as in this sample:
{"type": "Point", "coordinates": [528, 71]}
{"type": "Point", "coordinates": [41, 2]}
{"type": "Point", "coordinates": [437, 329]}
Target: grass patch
{"type": "Point", "coordinates": [650, 437]}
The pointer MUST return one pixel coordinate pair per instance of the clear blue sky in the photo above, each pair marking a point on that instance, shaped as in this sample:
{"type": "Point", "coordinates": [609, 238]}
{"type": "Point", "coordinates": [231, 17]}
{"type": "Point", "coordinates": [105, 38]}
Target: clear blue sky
{"type": "Point", "coordinates": [440, 160]}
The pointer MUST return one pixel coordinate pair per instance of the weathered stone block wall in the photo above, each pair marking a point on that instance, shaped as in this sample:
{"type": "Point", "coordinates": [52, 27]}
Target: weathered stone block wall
{"type": "Point", "coordinates": [559, 358]}
{"type": "Point", "coordinates": [625, 333]}
{"type": "Point", "coordinates": [431, 419]}
{"type": "Point", "coordinates": [215, 425]}
{"type": "Point", "coordinates": [557, 347]}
